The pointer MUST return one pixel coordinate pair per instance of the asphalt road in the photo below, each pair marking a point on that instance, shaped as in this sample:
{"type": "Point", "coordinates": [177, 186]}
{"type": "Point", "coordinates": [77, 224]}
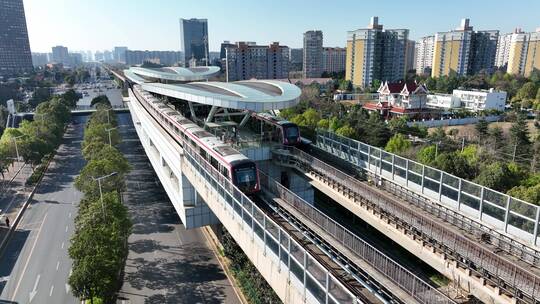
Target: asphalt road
{"type": "Point", "coordinates": [35, 266]}
{"type": "Point", "coordinates": [166, 263]}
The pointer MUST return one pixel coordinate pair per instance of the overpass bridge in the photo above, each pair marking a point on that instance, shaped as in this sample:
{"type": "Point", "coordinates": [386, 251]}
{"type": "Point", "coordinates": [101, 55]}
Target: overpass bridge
{"type": "Point", "coordinates": [305, 255]}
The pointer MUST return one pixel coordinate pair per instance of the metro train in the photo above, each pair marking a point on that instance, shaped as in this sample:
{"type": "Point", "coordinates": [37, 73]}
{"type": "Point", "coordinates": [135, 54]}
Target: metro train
{"type": "Point", "coordinates": [232, 164]}
{"type": "Point", "coordinates": [284, 131]}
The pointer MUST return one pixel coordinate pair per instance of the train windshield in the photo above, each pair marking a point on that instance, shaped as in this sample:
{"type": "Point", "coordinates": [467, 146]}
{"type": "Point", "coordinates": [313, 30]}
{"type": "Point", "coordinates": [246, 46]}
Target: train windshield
{"type": "Point", "coordinates": [291, 133]}
{"type": "Point", "coordinates": [245, 176]}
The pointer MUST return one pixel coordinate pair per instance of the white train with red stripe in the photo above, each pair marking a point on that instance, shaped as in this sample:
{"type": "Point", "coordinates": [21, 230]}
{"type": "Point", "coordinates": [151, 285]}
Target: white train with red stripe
{"type": "Point", "coordinates": [285, 132]}
{"type": "Point", "coordinates": [232, 164]}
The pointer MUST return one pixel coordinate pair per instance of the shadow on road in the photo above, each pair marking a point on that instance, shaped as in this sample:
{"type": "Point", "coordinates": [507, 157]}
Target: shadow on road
{"type": "Point", "coordinates": [11, 254]}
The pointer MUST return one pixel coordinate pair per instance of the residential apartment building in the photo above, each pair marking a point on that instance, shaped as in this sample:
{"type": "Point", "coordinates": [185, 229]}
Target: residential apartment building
{"type": "Point", "coordinates": [248, 60]}
{"type": "Point", "coordinates": [119, 53]}
{"type": "Point", "coordinates": [524, 53]}
{"type": "Point", "coordinates": [375, 54]}
{"type": "Point", "coordinates": [333, 60]}
{"type": "Point", "coordinates": [194, 39]}
{"type": "Point", "coordinates": [313, 54]}
{"type": "Point", "coordinates": [134, 57]}
{"type": "Point", "coordinates": [15, 55]}
{"type": "Point", "coordinates": [424, 54]}
{"type": "Point", "coordinates": [40, 59]}
{"type": "Point", "coordinates": [503, 49]}
{"type": "Point", "coordinates": [464, 51]}
{"type": "Point", "coordinates": [296, 59]}
{"type": "Point", "coordinates": [410, 63]}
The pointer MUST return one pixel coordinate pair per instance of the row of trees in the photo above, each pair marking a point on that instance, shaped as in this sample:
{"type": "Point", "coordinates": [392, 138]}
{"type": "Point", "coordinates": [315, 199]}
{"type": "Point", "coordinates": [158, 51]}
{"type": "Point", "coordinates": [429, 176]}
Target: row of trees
{"type": "Point", "coordinates": [99, 245]}
{"type": "Point", "coordinates": [35, 139]}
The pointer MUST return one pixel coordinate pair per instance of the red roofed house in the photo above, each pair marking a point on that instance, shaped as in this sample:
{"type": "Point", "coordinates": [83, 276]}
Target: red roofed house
{"type": "Point", "coordinates": [396, 99]}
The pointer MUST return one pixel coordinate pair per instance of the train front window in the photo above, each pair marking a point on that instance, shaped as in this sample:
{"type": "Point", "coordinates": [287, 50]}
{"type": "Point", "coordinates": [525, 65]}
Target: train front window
{"type": "Point", "coordinates": [291, 133]}
{"type": "Point", "coordinates": [245, 176]}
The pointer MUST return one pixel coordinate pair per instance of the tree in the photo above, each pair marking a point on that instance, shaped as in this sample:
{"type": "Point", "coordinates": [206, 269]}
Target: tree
{"type": "Point", "coordinates": [323, 124]}
{"type": "Point", "coordinates": [481, 128]}
{"type": "Point", "coordinates": [100, 167]}
{"type": "Point", "coordinates": [99, 132]}
{"type": "Point", "coordinates": [70, 98]}
{"type": "Point", "coordinates": [346, 131]}
{"type": "Point", "coordinates": [454, 163]}
{"type": "Point", "coordinates": [398, 144]}
{"type": "Point", "coordinates": [101, 99]}
{"type": "Point", "coordinates": [375, 132]}
{"type": "Point", "coordinates": [311, 117]}
{"type": "Point", "coordinates": [528, 194]}
{"type": "Point", "coordinates": [427, 155]}
{"type": "Point", "coordinates": [519, 139]}
{"type": "Point", "coordinates": [40, 95]}
{"type": "Point", "coordinates": [496, 176]}
{"type": "Point", "coordinates": [345, 85]}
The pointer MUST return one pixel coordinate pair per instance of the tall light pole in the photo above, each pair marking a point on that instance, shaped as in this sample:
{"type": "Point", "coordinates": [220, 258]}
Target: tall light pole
{"type": "Point", "coordinates": [98, 179]}
{"type": "Point", "coordinates": [14, 139]}
{"type": "Point", "coordinates": [109, 131]}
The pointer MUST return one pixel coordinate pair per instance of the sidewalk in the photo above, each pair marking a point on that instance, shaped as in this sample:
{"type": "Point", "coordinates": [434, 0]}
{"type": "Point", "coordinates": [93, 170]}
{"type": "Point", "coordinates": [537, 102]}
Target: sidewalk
{"type": "Point", "coordinates": [13, 193]}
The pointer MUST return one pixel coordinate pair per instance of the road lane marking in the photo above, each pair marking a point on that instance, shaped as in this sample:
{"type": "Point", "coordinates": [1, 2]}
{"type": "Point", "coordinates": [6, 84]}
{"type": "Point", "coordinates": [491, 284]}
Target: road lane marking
{"type": "Point", "coordinates": [63, 245]}
{"type": "Point", "coordinates": [67, 288]}
{"type": "Point", "coordinates": [69, 215]}
{"type": "Point", "coordinates": [34, 291]}
{"type": "Point", "coordinates": [50, 292]}
{"type": "Point", "coordinates": [66, 228]}
{"type": "Point", "coordinates": [57, 265]}
{"type": "Point", "coordinates": [28, 259]}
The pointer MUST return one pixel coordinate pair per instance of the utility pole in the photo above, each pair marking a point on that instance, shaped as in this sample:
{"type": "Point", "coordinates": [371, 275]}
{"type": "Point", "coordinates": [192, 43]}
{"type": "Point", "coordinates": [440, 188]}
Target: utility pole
{"type": "Point", "coordinates": [98, 179]}
{"type": "Point", "coordinates": [462, 143]}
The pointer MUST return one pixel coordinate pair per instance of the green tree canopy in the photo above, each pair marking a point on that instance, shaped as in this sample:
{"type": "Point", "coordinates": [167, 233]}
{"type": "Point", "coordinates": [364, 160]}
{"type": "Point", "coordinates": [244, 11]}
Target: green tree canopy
{"type": "Point", "coordinates": [101, 99]}
{"type": "Point", "coordinates": [398, 144]}
{"type": "Point", "coordinates": [96, 168]}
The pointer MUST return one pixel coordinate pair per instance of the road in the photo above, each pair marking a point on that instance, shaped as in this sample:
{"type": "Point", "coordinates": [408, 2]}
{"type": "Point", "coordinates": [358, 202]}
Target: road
{"type": "Point", "coordinates": [166, 263]}
{"type": "Point", "coordinates": [35, 266]}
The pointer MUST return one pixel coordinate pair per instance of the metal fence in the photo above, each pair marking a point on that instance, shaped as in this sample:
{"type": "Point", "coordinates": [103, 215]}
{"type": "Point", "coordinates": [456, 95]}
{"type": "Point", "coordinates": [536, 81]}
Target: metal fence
{"type": "Point", "coordinates": [318, 284]}
{"type": "Point", "coordinates": [511, 215]}
{"type": "Point", "coordinates": [496, 269]}
{"type": "Point", "coordinates": [406, 280]}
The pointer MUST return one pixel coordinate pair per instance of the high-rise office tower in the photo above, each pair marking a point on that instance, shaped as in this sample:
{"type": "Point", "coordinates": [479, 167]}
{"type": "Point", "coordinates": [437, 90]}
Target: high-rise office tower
{"type": "Point", "coordinates": [247, 60]}
{"type": "Point", "coordinates": [15, 55]}
{"type": "Point", "coordinates": [464, 51]}
{"type": "Point", "coordinates": [503, 48]}
{"type": "Point", "coordinates": [194, 39]}
{"type": "Point", "coordinates": [424, 54]}
{"type": "Point", "coordinates": [375, 54]}
{"type": "Point", "coordinates": [313, 54]}
{"type": "Point", "coordinates": [524, 53]}
{"type": "Point", "coordinates": [334, 59]}
{"type": "Point", "coordinates": [60, 54]}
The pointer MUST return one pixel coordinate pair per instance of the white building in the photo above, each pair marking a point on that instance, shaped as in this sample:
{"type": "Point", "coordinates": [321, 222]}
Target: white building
{"type": "Point", "coordinates": [479, 100]}
{"type": "Point", "coordinates": [424, 54]}
{"type": "Point", "coordinates": [443, 101]}
{"type": "Point", "coordinates": [503, 49]}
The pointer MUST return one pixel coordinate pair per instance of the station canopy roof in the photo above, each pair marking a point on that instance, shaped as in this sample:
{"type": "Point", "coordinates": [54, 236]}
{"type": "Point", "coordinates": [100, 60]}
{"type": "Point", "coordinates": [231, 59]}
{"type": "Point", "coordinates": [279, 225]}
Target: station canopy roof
{"type": "Point", "coordinates": [252, 95]}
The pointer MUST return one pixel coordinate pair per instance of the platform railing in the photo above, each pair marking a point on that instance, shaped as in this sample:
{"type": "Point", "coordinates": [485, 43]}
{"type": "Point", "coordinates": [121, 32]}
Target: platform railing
{"type": "Point", "coordinates": [392, 270]}
{"type": "Point", "coordinates": [304, 271]}
{"type": "Point", "coordinates": [517, 220]}
{"type": "Point", "coordinates": [496, 269]}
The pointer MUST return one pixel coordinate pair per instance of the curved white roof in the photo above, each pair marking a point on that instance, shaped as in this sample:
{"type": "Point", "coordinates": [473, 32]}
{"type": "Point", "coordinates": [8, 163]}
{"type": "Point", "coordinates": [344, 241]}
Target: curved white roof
{"type": "Point", "coordinates": [175, 73]}
{"type": "Point", "coordinates": [253, 95]}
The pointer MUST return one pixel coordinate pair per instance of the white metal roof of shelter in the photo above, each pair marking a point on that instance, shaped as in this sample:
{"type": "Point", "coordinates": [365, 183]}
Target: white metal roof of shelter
{"type": "Point", "coordinates": [252, 95]}
{"type": "Point", "coordinates": [174, 73]}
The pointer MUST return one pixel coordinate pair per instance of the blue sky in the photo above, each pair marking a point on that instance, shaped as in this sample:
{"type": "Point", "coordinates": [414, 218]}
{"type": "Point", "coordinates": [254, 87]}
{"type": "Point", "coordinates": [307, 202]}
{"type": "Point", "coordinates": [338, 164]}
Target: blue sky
{"type": "Point", "coordinates": [153, 24]}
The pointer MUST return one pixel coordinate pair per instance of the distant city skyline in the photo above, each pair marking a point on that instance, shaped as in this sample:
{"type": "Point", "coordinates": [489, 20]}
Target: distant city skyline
{"type": "Point", "coordinates": [100, 24]}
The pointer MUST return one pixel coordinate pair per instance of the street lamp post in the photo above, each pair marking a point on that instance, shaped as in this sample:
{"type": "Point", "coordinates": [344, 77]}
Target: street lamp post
{"type": "Point", "coordinates": [98, 179]}
{"type": "Point", "coordinates": [14, 139]}
{"type": "Point", "coordinates": [109, 131]}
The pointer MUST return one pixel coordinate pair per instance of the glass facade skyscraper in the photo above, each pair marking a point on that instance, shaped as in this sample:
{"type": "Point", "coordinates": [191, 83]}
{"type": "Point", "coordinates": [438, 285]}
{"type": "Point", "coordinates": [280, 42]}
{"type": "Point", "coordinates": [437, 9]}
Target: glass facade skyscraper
{"type": "Point", "coordinates": [15, 55]}
{"type": "Point", "coordinates": [194, 39]}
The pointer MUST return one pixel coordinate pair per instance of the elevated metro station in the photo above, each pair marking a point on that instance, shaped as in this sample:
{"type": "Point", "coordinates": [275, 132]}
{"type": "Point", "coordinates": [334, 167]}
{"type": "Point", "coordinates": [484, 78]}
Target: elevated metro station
{"type": "Point", "coordinates": [222, 154]}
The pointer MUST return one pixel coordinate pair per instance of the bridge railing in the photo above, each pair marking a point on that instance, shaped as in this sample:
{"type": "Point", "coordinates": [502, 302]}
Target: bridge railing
{"type": "Point", "coordinates": [304, 271]}
{"type": "Point", "coordinates": [406, 280]}
{"type": "Point", "coordinates": [508, 214]}
{"type": "Point", "coordinates": [484, 262]}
